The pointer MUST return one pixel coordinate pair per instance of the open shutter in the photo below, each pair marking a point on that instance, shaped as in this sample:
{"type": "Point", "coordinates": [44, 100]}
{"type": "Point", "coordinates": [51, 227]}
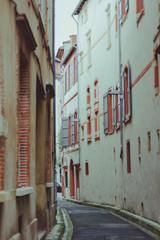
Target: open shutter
{"type": "Point", "coordinates": [129, 92]}
{"type": "Point", "coordinates": [126, 5]}
{"type": "Point", "coordinates": [120, 11]}
{"type": "Point", "coordinates": [72, 130]}
{"type": "Point", "coordinates": [105, 113]}
{"type": "Point", "coordinates": [119, 104]}
{"type": "Point", "coordinates": [123, 103]}
{"type": "Point", "coordinates": [114, 111]}
{"type": "Point", "coordinates": [64, 132]}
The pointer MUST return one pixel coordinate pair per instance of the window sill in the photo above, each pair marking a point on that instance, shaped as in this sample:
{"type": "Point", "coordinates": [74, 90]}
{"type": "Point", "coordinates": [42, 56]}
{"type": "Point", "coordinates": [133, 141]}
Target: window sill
{"type": "Point", "coordinates": [139, 16]}
{"type": "Point", "coordinates": [20, 192]}
{"type": "Point", "coordinates": [49, 185]}
{"type": "Point", "coordinates": [5, 196]}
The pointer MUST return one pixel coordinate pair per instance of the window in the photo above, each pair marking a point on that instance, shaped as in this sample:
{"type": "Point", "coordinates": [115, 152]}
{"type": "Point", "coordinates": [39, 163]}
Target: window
{"type": "Point", "coordinates": [89, 51]}
{"type": "Point", "coordinates": [117, 107]}
{"type": "Point", "coordinates": [86, 168]}
{"type": "Point", "coordinates": [126, 89]}
{"type": "Point", "coordinates": [116, 18]}
{"type": "Point", "coordinates": [123, 9]}
{"type": "Point", "coordinates": [72, 69]}
{"type": "Point", "coordinates": [149, 141]}
{"type": "Point", "coordinates": [76, 127]}
{"type": "Point", "coordinates": [89, 126]}
{"type": "Point", "coordinates": [108, 11]}
{"type": "Point", "coordinates": [82, 131]}
{"type": "Point", "coordinates": [96, 121]}
{"type": "Point", "coordinates": [73, 136]}
{"type": "Point", "coordinates": [109, 112]}
{"type": "Point", "coordinates": [66, 179]}
{"type": "Point", "coordinates": [128, 156]}
{"type": "Point", "coordinates": [88, 96]}
{"type": "Point", "coordinates": [96, 92]}
{"type": "Point", "coordinates": [157, 71]}
{"type": "Point", "coordinates": [65, 82]}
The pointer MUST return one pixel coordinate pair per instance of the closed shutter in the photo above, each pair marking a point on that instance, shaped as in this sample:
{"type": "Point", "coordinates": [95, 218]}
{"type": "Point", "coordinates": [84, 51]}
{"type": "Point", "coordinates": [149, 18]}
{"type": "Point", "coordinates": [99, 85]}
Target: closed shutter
{"type": "Point", "coordinates": [126, 5]}
{"type": "Point", "coordinates": [72, 130]}
{"type": "Point", "coordinates": [105, 113]}
{"type": "Point", "coordinates": [129, 92]}
{"type": "Point", "coordinates": [123, 101]}
{"type": "Point", "coordinates": [120, 11]}
{"type": "Point", "coordinates": [64, 132]}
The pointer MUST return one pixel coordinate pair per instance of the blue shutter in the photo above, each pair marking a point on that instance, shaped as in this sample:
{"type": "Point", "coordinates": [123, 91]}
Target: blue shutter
{"type": "Point", "coordinates": [105, 113]}
{"type": "Point", "coordinates": [123, 101]}
{"type": "Point", "coordinates": [129, 92]}
{"type": "Point", "coordinates": [126, 5]}
{"type": "Point", "coordinates": [64, 132]}
{"type": "Point", "coordinates": [72, 130]}
{"type": "Point", "coordinates": [114, 111]}
{"type": "Point", "coordinates": [120, 15]}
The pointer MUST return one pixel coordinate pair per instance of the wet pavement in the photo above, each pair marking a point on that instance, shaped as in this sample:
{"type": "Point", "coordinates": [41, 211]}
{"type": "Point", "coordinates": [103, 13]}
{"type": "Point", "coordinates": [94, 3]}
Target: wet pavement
{"type": "Point", "coordinates": [94, 223]}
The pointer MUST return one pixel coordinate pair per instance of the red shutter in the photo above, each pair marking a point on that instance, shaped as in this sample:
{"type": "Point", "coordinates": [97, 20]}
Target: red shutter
{"type": "Point", "coordinates": [96, 124]}
{"type": "Point", "coordinates": [89, 127]}
{"type": "Point", "coordinates": [95, 95]}
{"type": "Point", "coordinates": [128, 157]}
{"type": "Point", "coordinates": [116, 18]}
{"type": "Point", "coordinates": [156, 82]}
{"type": "Point", "coordinates": [126, 91]}
{"type": "Point", "coordinates": [88, 99]}
{"type": "Point", "coordinates": [123, 7]}
{"type": "Point", "coordinates": [139, 5]}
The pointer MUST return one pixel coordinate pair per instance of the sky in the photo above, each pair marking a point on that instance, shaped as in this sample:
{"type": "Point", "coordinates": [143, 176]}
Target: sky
{"type": "Point", "coordinates": [64, 23]}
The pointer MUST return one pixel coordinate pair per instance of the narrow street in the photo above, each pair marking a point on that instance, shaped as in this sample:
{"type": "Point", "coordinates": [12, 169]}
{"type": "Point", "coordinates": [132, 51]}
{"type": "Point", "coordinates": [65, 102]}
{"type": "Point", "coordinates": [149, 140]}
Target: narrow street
{"type": "Point", "coordinates": [94, 223]}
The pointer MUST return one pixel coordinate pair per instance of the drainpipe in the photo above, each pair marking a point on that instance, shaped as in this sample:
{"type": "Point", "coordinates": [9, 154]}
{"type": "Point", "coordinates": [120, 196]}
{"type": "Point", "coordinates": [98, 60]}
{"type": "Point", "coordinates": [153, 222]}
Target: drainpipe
{"type": "Point", "coordinates": [120, 77]}
{"type": "Point", "coordinates": [54, 104]}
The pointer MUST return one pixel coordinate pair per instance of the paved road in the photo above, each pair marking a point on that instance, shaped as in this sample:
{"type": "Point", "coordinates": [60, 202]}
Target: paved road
{"type": "Point", "coordinates": [94, 223]}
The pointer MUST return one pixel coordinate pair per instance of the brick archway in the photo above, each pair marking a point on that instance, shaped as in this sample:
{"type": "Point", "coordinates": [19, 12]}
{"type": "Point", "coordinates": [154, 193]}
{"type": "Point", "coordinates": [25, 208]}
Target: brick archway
{"type": "Point", "coordinates": [71, 179]}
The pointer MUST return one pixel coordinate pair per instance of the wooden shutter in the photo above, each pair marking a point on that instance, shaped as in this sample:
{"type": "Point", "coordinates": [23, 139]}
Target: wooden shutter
{"type": "Point", "coordinates": [139, 4]}
{"type": "Point", "coordinates": [72, 130]}
{"type": "Point", "coordinates": [129, 92]}
{"type": "Point", "coordinates": [105, 113]}
{"type": "Point", "coordinates": [64, 132]}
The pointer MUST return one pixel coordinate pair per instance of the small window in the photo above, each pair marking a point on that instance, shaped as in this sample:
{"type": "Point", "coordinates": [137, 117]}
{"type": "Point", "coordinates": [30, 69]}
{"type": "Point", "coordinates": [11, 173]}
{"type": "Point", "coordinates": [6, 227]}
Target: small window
{"type": "Point", "coordinates": [66, 179]}
{"type": "Point", "coordinates": [149, 141]}
{"type": "Point", "coordinates": [88, 96]}
{"type": "Point", "coordinates": [89, 126]}
{"type": "Point", "coordinates": [157, 72]}
{"type": "Point", "coordinates": [128, 157]}
{"type": "Point", "coordinates": [86, 168]}
{"type": "Point", "coordinates": [139, 145]}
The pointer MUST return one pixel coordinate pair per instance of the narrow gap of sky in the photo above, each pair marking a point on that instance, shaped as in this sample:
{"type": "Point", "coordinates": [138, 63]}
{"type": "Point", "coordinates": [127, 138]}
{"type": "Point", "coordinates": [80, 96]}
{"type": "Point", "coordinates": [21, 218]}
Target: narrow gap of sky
{"type": "Point", "coordinates": [64, 23]}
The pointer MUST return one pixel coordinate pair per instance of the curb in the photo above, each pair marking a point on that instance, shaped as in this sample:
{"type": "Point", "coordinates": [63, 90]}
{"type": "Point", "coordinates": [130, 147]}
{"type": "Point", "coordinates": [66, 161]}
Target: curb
{"type": "Point", "coordinates": [152, 228]}
{"type": "Point", "coordinates": [57, 232]}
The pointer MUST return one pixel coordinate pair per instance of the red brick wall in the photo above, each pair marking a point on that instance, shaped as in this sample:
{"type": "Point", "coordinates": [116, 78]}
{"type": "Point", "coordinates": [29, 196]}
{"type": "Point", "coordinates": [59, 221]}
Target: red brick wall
{"type": "Point", "coordinates": [2, 112]}
{"type": "Point", "coordinates": [23, 122]}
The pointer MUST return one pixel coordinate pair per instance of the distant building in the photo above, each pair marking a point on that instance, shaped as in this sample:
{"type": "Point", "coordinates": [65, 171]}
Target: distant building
{"type": "Point", "coordinates": [27, 205]}
{"type": "Point", "coordinates": [119, 102]}
{"type": "Point", "coordinates": [70, 126]}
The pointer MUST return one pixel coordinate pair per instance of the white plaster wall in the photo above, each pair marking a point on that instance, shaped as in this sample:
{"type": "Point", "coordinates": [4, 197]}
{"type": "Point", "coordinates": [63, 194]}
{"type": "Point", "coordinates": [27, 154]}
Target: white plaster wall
{"type": "Point", "coordinates": [108, 181]}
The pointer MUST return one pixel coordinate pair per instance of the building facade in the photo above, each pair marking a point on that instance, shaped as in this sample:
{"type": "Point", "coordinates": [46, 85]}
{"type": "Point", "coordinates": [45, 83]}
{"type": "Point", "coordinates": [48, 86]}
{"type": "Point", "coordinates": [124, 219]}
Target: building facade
{"type": "Point", "coordinates": [27, 204]}
{"type": "Point", "coordinates": [119, 99]}
{"type": "Point", "coordinates": [70, 124]}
